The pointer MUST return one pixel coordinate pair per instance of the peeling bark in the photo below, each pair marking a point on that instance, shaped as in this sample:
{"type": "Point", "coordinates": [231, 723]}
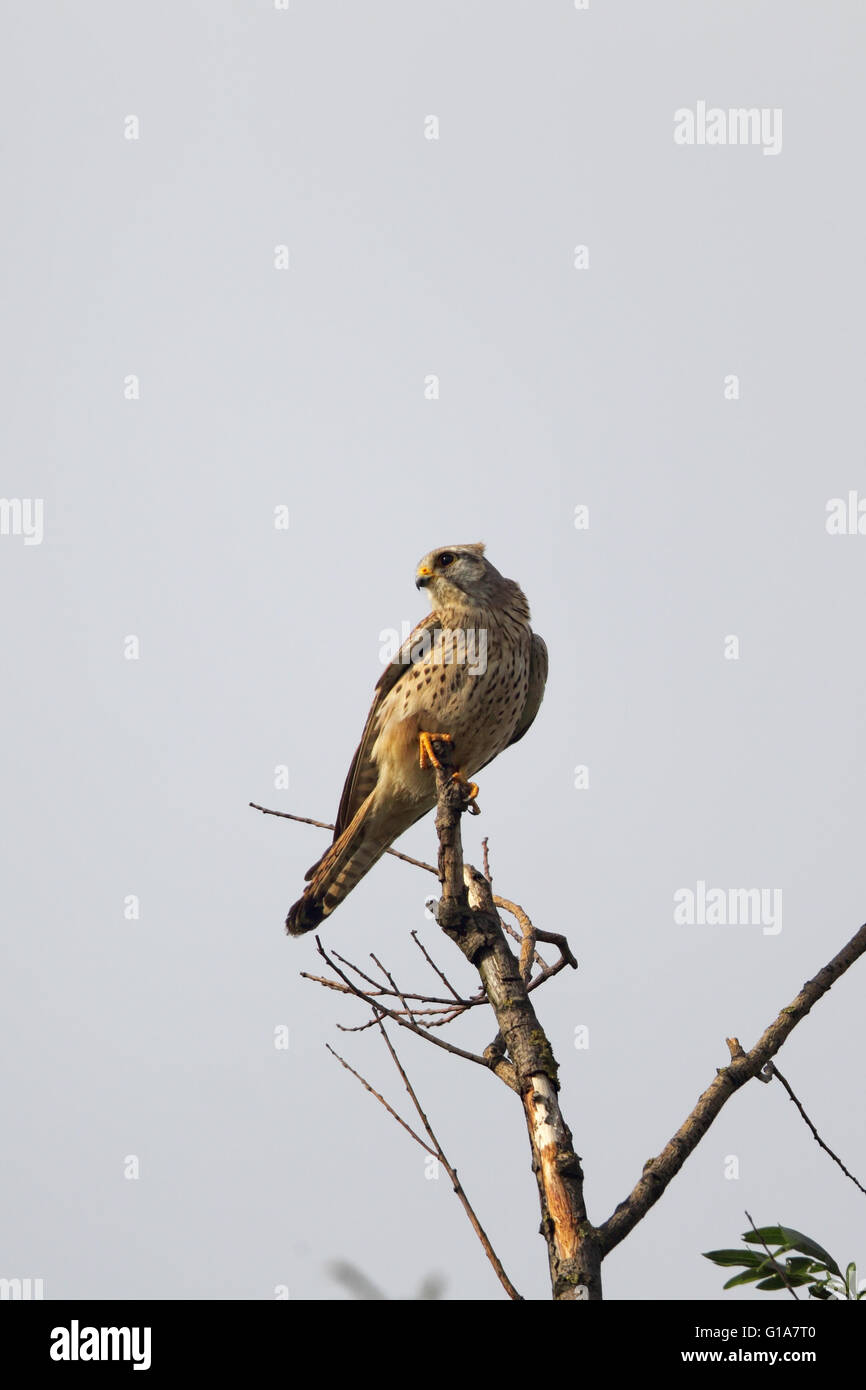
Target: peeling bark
{"type": "Point", "coordinates": [468, 916]}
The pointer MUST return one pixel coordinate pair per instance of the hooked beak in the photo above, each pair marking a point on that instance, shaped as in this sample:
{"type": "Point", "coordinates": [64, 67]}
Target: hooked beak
{"type": "Point", "coordinates": [423, 577]}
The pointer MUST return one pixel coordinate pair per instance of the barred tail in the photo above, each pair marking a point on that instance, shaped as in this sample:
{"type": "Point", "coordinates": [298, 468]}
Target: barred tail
{"type": "Point", "coordinates": [349, 858]}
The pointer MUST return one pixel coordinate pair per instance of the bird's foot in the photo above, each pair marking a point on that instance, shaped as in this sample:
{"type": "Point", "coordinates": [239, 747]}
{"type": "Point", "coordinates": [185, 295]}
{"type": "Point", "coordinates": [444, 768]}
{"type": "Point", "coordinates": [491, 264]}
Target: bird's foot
{"type": "Point", "coordinates": [470, 792]}
{"type": "Point", "coordinates": [426, 750]}
{"type": "Point", "coordinates": [428, 758]}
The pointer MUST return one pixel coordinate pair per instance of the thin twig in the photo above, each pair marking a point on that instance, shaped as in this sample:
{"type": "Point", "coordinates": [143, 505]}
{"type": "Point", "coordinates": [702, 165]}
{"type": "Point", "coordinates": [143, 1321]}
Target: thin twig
{"type": "Point", "coordinates": [513, 908]}
{"type": "Point", "coordinates": [444, 978]}
{"type": "Point", "coordinates": [658, 1172]}
{"type": "Point", "coordinates": [403, 1022]}
{"type": "Point", "coordinates": [324, 825]}
{"type": "Point", "coordinates": [393, 983]}
{"type": "Point", "coordinates": [485, 861]}
{"type": "Point", "coordinates": [358, 971]}
{"type": "Point", "coordinates": [458, 1188]}
{"type": "Point", "coordinates": [287, 815]}
{"type": "Point", "coordinates": [773, 1070]}
{"type": "Point", "coordinates": [444, 1005]}
{"type": "Point", "coordinates": [389, 1108]}
{"type": "Point", "coordinates": [527, 932]}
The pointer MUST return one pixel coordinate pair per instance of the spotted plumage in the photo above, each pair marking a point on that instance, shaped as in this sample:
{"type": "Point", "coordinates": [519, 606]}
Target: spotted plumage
{"type": "Point", "coordinates": [474, 669]}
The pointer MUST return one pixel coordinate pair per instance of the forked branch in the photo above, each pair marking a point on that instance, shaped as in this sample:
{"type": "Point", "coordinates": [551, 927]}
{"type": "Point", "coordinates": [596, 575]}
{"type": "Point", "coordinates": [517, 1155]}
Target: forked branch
{"type": "Point", "coordinates": [521, 1056]}
{"type": "Point", "coordinates": [742, 1067]}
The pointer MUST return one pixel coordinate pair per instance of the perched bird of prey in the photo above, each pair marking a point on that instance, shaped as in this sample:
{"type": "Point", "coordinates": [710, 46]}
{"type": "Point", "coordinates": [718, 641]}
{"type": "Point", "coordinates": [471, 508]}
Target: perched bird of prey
{"type": "Point", "coordinates": [472, 674]}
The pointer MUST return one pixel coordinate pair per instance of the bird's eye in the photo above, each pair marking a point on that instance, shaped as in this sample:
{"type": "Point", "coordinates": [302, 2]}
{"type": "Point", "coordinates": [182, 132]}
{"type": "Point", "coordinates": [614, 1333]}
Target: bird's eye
{"type": "Point", "coordinates": [446, 559]}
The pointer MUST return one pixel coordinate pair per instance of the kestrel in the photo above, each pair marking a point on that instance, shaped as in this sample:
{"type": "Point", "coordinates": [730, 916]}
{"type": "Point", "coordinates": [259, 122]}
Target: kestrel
{"type": "Point", "coordinates": [471, 673]}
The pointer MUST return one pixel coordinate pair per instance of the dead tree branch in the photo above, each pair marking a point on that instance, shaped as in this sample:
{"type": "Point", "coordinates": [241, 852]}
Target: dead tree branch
{"type": "Point", "coordinates": [771, 1070]}
{"type": "Point", "coordinates": [521, 1056]}
{"type": "Point", "coordinates": [458, 1188]}
{"type": "Point", "coordinates": [743, 1066]}
{"type": "Point", "coordinates": [392, 1014]}
{"type": "Point", "coordinates": [434, 1148]}
{"type": "Point", "coordinates": [467, 914]}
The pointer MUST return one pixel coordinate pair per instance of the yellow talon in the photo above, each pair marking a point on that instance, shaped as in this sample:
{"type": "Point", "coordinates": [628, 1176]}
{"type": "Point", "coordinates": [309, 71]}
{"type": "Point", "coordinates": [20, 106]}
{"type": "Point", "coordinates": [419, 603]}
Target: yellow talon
{"type": "Point", "coordinates": [470, 791]}
{"type": "Point", "coordinates": [428, 759]}
{"type": "Point", "coordinates": [425, 747]}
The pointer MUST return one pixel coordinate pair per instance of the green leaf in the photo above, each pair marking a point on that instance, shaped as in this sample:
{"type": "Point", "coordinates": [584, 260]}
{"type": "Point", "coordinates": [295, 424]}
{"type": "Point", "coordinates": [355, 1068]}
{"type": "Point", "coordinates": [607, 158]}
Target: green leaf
{"type": "Point", "coordinates": [765, 1235]}
{"type": "Point", "coordinates": [789, 1239]}
{"type": "Point", "coordinates": [774, 1282]}
{"type": "Point", "coordinates": [795, 1240]}
{"type": "Point", "coordinates": [735, 1257]}
{"type": "Point", "coordinates": [748, 1276]}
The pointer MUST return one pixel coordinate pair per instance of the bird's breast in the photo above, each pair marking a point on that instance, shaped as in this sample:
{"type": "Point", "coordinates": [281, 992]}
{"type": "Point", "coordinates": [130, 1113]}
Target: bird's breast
{"type": "Point", "coordinates": [471, 683]}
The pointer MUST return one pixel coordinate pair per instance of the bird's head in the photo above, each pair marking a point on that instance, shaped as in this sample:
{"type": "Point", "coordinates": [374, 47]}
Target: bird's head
{"type": "Point", "coordinates": [458, 576]}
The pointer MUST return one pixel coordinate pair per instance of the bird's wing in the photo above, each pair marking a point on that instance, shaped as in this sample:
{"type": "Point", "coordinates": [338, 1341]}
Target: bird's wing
{"type": "Point", "coordinates": [363, 773]}
{"type": "Point", "coordinates": [538, 664]}
{"type": "Point", "coordinates": [534, 695]}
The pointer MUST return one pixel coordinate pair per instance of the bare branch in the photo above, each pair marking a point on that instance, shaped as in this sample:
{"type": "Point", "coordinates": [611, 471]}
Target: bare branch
{"type": "Point", "coordinates": [324, 825]}
{"type": "Point", "coordinates": [467, 914]}
{"type": "Point", "coordinates": [485, 861]}
{"type": "Point", "coordinates": [511, 907]}
{"type": "Point", "coordinates": [658, 1171]}
{"type": "Point", "coordinates": [403, 1022]}
{"type": "Point", "coordinates": [495, 1054]}
{"type": "Point", "coordinates": [772, 1070]}
{"type": "Point", "coordinates": [377, 988]}
{"type": "Point", "coordinates": [435, 1151]}
{"type": "Point", "coordinates": [286, 815]}
{"type": "Point", "coordinates": [457, 1185]}
{"type": "Point", "coordinates": [392, 982]}
{"type": "Point", "coordinates": [521, 1056]}
{"type": "Point", "coordinates": [442, 1005]}
{"type": "Point", "coordinates": [526, 928]}
{"type": "Point", "coordinates": [446, 982]}
{"type": "Point", "coordinates": [382, 1100]}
